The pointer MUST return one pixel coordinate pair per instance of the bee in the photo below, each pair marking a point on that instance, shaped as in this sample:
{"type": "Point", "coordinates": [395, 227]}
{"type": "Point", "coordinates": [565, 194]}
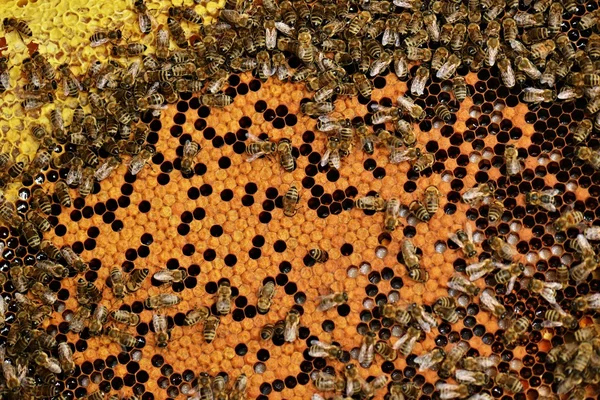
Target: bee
{"type": "Point", "coordinates": [79, 318]}
{"type": "Point", "coordinates": [333, 300]}
{"type": "Point", "coordinates": [555, 17]}
{"type": "Point", "coordinates": [8, 214]}
{"type": "Point", "coordinates": [509, 382]}
{"type": "Point", "coordinates": [320, 349]}
{"type": "Point", "coordinates": [324, 381]}
{"type": "Point", "coordinates": [496, 210]}
{"type": "Point", "coordinates": [425, 320]}
{"type": "Point", "coordinates": [238, 390]}
{"type": "Point", "coordinates": [65, 356]}
{"type": "Point", "coordinates": [558, 317]}
{"type": "Point", "coordinates": [3, 307]}
{"type": "Point", "coordinates": [489, 301]}
{"type": "Point", "coordinates": [400, 64]}
{"type": "Point", "coordinates": [318, 255]}
{"type": "Point", "coordinates": [290, 201]}
{"type": "Point", "coordinates": [587, 302]}
{"type": "Point", "coordinates": [139, 161]}
{"type": "Point", "coordinates": [87, 182]}
{"type": "Point", "coordinates": [4, 74]}
{"type": "Point", "coordinates": [439, 58]}
{"type": "Point", "coordinates": [71, 85]}
{"type": "Point", "coordinates": [223, 302]}
{"type": "Point", "coordinates": [292, 319]}
{"type": "Point", "coordinates": [31, 234]}
{"type": "Point", "coordinates": [459, 36]}
{"type": "Point", "coordinates": [50, 250]}
{"type": "Point", "coordinates": [372, 203]}
{"type": "Point", "coordinates": [582, 130]}
{"type": "Point", "coordinates": [414, 110]}
{"type": "Point", "coordinates": [569, 219]}
{"type": "Point", "coordinates": [523, 64]}
{"type": "Point", "coordinates": [265, 297]}
{"type": "Point", "coordinates": [453, 357]}
{"type": "Point", "coordinates": [216, 100]}
{"type": "Point", "coordinates": [431, 359]}
{"type": "Point", "coordinates": [210, 328]}
{"type": "Point", "coordinates": [186, 13]}
{"type": "Point", "coordinates": [43, 360]}
{"type": "Point", "coordinates": [479, 193]}
{"type": "Point", "coordinates": [162, 300]}
{"type": "Point", "coordinates": [536, 34]}
{"type": "Point", "coordinates": [392, 213]}
{"type": "Point", "coordinates": [366, 354]}
{"type": "Point", "coordinates": [144, 20]}
{"type": "Point", "coordinates": [386, 351]}
{"type": "Point", "coordinates": [588, 155]}
{"type": "Point", "coordinates": [125, 317]}
{"type": "Point", "coordinates": [452, 391]}
{"type": "Point", "coordinates": [513, 163]}
{"type": "Point", "coordinates": [518, 328]}
{"type": "Point", "coordinates": [506, 72]}
{"type": "Point", "coordinates": [267, 331]}
{"type": "Point", "coordinates": [462, 284]}
{"type": "Point", "coordinates": [136, 279]}
{"type": "Point", "coordinates": [196, 316]}
{"type": "Point", "coordinates": [18, 25]}
{"type": "Point", "coordinates": [168, 276]}
{"type": "Point", "coordinates": [190, 150]}
{"type": "Point", "coordinates": [419, 211]}
{"type": "Point", "coordinates": [43, 293]}
{"type": "Point", "coordinates": [544, 198]}
{"type": "Point", "coordinates": [314, 109]}
{"type": "Point", "coordinates": [407, 342]}
{"type": "Point", "coordinates": [464, 239]}
{"type": "Point", "coordinates": [160, 324]}
{"type": "Point", "coordinates": [177, 33]}
{"type": "Point", "coordinates": [106, 168]}
{"type": "Point", "coordinates": [73, 260]}
{"type": "Point", "coordinates": [259, 148]}
{"type": "Point", "coordinates": [39, 221]}
{"type": "Point", "coordinates": [442, 112]}
{"type": "Point", "coordinates": [448, 314]}
{"type": "Point", "coordinates": [479, 363]}
{"type": "Point", "coordinates": [98, 320]}
{"type": "Point", "coordinates": [535, 95]}
{"type": "Point", "coordinates": [123, 338]}
{"type": "Point", "coordinates": [417, 87]}
{"type": "Point", "coordinates": [581, 271]}
{"type": "Point", "coordinates": [101, 37]}
{"type": "Point", "coordinates": [87, 292]}
{"type": "Point", "coordinates": [471, 377]}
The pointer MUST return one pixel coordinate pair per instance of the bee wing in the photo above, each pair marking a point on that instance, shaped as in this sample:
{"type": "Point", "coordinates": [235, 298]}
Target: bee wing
{"type": "Point", "coordinates": [511, 285]}
{"type": "Point", "coordinates": [99, 42]}
{"type": "Point", "coordinates": [469, 231]}
{"type": "Point", "coordinates": [398, 155]}
{"type": "Point", "coordinates": [455, 239]}
{"type": "Point", "coordinates": [363, 354]}
{"type": "Point", "coordinates": [552, 324]}
{"type": "Point", "coordinates": [325, 158]}
{"type": "Point", "coordinates": [549, 295]}
{"type": "Point", "coordinates": [317, 396]}
{"type": "Point", "coordinates": [393, 208]}
{"type": "Point", "coordinates": [66, 86]}
{"type": "Point", "coordinates": [326, 302]}
{"type": "Point", "coordinates": [464, 375]}
{"type": "Point", "coordinates": [5, 80]}
{"type": "Point", "coordinates": [549, 206]}
{"type": "Point", "coordinates": [594, 300]}
{"type": "Point", "coordinates": [285, 28]}
{"type": "Point", "coordinates": [350, 384]}
{"type": "Point", "coordinates": [163, 276]}
{"type": "Point", "coordinates": [586, 247]}
{"type": "Point", "coordinates": [553, 285]}
{"type": "Point", "coordinates": [271, 38]}
{"type": "Point", "coordinates": [290, 333]}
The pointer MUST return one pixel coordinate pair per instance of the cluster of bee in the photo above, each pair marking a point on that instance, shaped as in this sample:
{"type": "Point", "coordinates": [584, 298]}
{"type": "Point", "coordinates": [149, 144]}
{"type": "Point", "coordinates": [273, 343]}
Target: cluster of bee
{"type": "Point", "coordinates": [217, 388]}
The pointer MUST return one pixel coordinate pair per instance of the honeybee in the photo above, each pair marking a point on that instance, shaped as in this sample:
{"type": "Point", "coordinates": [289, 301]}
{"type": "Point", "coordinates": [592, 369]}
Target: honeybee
{"type": "Point", "coordinates": [4, 74]}
{"type": "Point", "coordinates": [513, 163]}
{"type": "Point", "coordinates": [400, 64]}
{"type": "Point", "coordinates": [517, 328]}
{"type": "Point", "coordinates": [523, 64]}
{"type": "Point", "coordinates": [588, 155]}
{"type": "Point", "coordinates": [431, 359]}
{"type": "Point", "coordinates": [216, 100]}
{"type": "Point", "coordinates": [569, 219]}
{"type": "Point", "coordinates": [223, 303]}
{"type": "Point", "coordinates": [292, 319]}
{"type": "Point", "coordinates": [186, 13]}
{"type": "Point", "coordinates": [544, 198]}
{"type": "Point", "coordinates": [196, 316]}
{"type": "Point", "coordinates": [162, 300]}
{"type": "Point", "coordinates": [581, 271]}
{"type": "Point", "coordinates": [65, 356]}
{"type": "Point", "coordinates": [459, 36]}
{"type": "Point", "coordinates": [462, 284]}
{"type": "Point", "coordinates": [535, 95]}
{"type": "Point", "coordinates": [509, 382]}
{"type": "Point", "coordinates": [452, 391]}
{"type": "Point", "coordinates": [392, 213]}
{"type": "Point", "coordinates": [418, 210]}
{"type": "Point", "coordinates": [106, 168]}
{"type": "Point", "coordinates": [425, 320]}
{"type": "Point", "coordinates": [123, 338]}
{"type": "Point", "coordinates": [177, 32]}
{"type": "Point", "coordinates": [558, 317]}
{"type": "Point", "coordinates": [265, 297]}
{"type": "Point", "coordinates": [587, 302]}
{"type": "Point", "coordinates": [326, 350]}
{"type": "Point", "coordinates": [453, 357]}
{"type": "Point", "coordinates": [447, 313]}
{"type": "Point", "coordinates": [136, 279]}
{"type": "Point", "coordinates": [290, 201]}
{"type": "Point", "coordinates": [43, 360]}
{"type": "Point", "coordinates": [545, 289]}
{"type": "Point", "coordinates": [332, 300]}
{"type": "Point", "coordinates": [259, 148]}
{"type": "Point", "coordinates": [464, 239]}
{"type": "Point", "coordinates": [314, 109]}
{"type": "Point", "coordinates": [190, 150]}
{"type": "Point", "coordinates": [414, 110]}
{"type": "Point", "coordinates": [407, 342]}
{"type": "Point", "coordinates": [366, 354]}
{"type": "Point", "coordinates": [39, 222]}
{"type": "Point", "coordinates": [50, 250]}
{"type": "Point", "coordinates": [509, 274]}
{"type": "Point", "coordinates": [439, 58]}
{"type": "Point", "coordinates": [43, 293]}
{"type": "Point", "coordinates": [101, 37]}
{"type": "Point", "coordinates": [471, 377]}
{"type": "Point", "coordinates": [168, 276]}
{"type": "Point", "coordinates": [489, 301]}
{"type": "Point", "coordinates": [238, 391]}
{"type": "Point", "coordinates": [18, 25]}
{"type": "Point", "coordinates": [125, 317]}
{"type": "Point", "coordinates": [424, 161]}
{"type": "Point", "coordinates": [139, 161]}
{"type": "Point", "coordinates": [318, 255]}
{"type": "Point", "coordinates": [160, 324]}
{"type": "Point", "coordinates": [502, 250]}
{"type": "Point", "coordinates": [79, 318]}
{"type": "Point", "coordinates": [71, 85]}
{"type": "Point", "coordinates": [3, 307]}
{"type": "Point", "coordinates": [417, 88]}
{"type": "Point", "coordinates": [98, 319]}
{"type": "Point", "coordinates": [372, 203]}
{"type": "Point", "coordinates": [73, 260]}
{"type": "Point", "coordinates": [144, 19]}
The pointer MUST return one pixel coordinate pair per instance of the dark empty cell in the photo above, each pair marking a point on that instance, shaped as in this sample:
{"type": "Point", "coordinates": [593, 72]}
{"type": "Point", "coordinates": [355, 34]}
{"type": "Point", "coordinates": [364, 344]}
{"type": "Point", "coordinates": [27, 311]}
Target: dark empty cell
{"type": "Point", "coordinates": [269, 115]}
{"type": "Point", "coordinates": [183, 229]}
{"type": "Point", "coordinates": [245, 122]}
{"type": "Point", "coordinates": [279, 246]}
{"type": "Point", "coordinates": [124, 201]}
{"type": "Point", "coordinates": [75, 215]}
{"type": "Point", "coordinates": [206, 190]}
{"type": "Point", "coordinates": [247, 200]}
{"type": "Point", "coordinates": [218, 142]}
{"type": "Point", "coordinates": [264, 217]}
{"type": "Point", "coordinates": [326, 199]}
{"type": "Point", "coordinates": [310, 171]}
{"type": "Point", "coordinates": [179, 119]}
{"type": "Point", "coordinates": [379, 173]}
{"type": "Point", "coordinates": [255, 253]}
{"type": "Point", "coordinates": [163, 179]}
{"type": "Point", "coordinates": [333, 175]}
{"type": "Point", "coordinates": [410, 186]}
{"type": "Point", "coordinates": [117, 226]}
{"type": "Point", "coordinates": [323, 212]}
{"type": "Point", "coordinates": [209, 255]}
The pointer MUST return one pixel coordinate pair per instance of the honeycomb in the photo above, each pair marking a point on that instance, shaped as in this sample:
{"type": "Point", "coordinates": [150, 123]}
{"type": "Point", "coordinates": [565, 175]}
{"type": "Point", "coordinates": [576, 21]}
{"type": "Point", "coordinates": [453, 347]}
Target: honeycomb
{"type": "Point", "coordinates": [225, 223]}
